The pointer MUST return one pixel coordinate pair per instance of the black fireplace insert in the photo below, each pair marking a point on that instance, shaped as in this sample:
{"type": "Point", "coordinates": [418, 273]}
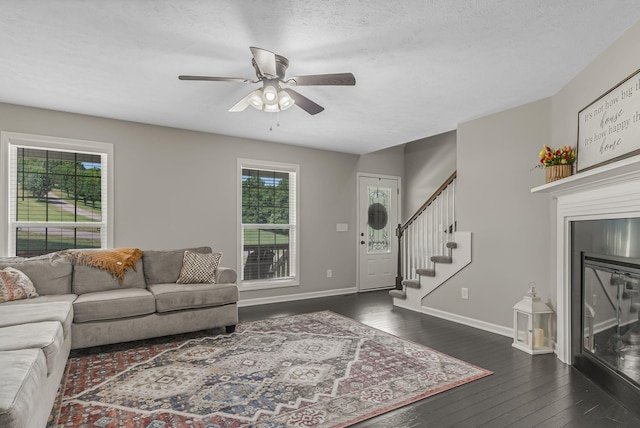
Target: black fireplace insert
{"type": "Point", "coordinates": [609, 325]}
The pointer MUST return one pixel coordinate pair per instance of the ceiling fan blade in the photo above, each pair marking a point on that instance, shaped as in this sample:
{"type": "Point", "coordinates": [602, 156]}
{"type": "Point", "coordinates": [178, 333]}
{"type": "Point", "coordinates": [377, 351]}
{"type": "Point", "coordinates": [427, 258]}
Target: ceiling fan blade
{"type": "Point", "coordinates": [266, 62]}
{"type": "Point", "coordinates": [347, 79]}
{"type": "Point", "coordinates": [242, 104]}
{"type": "Point", "coordinates": [218, 79]}
{"type": "Point", "coordinates": [303, 102]}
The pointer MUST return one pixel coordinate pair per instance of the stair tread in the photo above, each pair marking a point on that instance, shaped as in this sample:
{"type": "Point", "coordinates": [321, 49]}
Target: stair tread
{"type": "Point", "coordinates": [426, 272]}
{"type": "Point", "coordinates": [452, 244]}
{"type": "Point", "coordinates": [400, 294]}
{"type": "Point", "coordinates": [442, 259]}
{"type": "Point", "coordinates": [413, 283]}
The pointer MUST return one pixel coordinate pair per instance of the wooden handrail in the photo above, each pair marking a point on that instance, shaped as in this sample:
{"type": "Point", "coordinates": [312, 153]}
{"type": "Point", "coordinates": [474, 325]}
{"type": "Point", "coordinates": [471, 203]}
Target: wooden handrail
{"type": "Point", "coordinates": [433, 197]}
{"type": "Point", "coordinates": [402, 227]}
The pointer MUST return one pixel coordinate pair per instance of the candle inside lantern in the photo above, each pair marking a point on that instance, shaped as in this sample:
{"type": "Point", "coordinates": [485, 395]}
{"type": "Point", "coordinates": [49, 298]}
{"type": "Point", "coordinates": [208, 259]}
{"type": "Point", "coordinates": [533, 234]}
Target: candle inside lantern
{"type": "Point", "coordinates": [538, 337]}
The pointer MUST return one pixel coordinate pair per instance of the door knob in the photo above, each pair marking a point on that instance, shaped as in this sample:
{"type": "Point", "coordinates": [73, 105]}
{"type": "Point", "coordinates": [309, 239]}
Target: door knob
{"type": "Point", "coordinates": [362, 242]}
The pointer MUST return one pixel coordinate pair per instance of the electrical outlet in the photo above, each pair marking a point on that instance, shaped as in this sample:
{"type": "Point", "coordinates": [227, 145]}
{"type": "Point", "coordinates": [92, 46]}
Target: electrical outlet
{"type": "Point", "coordinates": [329, 273]}
{"type": "Point", "coordinates": [464, 293]}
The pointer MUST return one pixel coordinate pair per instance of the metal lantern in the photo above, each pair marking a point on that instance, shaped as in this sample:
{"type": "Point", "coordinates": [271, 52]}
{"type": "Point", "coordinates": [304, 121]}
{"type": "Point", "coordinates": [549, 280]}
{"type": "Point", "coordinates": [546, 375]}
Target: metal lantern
{"type": "Point", "coordinates": [532, 325]}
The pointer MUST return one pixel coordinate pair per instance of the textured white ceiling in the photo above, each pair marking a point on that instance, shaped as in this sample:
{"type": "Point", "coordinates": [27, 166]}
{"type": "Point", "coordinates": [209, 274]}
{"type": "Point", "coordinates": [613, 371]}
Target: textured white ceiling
{"type": "Point", "coordinates": [422, 66]}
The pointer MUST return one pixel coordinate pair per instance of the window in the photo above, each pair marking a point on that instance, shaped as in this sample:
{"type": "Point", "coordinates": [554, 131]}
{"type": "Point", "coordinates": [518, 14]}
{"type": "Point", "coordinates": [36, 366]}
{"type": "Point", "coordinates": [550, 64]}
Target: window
{"type": "Point", "coordinates": [268, 227]}
{"type": "Point", "coordinates": [56, 194]}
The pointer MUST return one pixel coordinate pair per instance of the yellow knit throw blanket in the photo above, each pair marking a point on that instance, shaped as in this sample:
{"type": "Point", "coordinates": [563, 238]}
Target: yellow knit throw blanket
{"type": "Point", "coordinates": [116, 261]}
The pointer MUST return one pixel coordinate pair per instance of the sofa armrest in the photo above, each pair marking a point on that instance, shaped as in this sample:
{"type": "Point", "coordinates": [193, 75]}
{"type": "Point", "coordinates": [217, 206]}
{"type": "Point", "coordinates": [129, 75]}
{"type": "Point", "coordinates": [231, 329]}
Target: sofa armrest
{"type": "Point", "coordinates": [226, 275]}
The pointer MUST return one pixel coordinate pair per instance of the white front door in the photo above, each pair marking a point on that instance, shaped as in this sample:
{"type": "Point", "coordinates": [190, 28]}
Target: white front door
{"type": "Point", "coordinates": [377, 222]}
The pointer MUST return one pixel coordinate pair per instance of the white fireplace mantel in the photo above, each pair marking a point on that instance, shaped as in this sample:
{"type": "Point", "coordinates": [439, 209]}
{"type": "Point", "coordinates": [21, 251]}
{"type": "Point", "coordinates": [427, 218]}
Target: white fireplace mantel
{"type": "Point", "coordinates": [607, 192]}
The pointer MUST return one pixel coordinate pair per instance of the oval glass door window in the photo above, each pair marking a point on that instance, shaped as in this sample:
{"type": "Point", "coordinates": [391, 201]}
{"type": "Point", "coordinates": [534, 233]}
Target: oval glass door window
{"type": "Point", "coordinates": [378, 220]}
{"type": "Point", "coordinates": [377, 216]}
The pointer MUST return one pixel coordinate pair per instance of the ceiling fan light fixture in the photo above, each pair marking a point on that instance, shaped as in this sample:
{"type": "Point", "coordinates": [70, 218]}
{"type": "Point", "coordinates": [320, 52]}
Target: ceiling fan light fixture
{"type": "Point", "coordinates": [255, 100]}
{"type": "Point", "coordinates": [284, 100]}
{"type": "Point", "coordinates": [270, 95]}
{"type": "Point", "coordinates": [271, 108]}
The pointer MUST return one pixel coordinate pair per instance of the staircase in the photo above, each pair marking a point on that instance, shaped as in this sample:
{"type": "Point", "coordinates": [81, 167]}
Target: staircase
{"type": "Point", "coordinates": [430, 248]}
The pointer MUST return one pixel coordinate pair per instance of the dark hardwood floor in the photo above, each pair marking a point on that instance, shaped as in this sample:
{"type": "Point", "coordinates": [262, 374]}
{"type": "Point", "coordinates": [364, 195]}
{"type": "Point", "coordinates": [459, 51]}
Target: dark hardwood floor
{"type": "Point", "coordinates": [524, 391]}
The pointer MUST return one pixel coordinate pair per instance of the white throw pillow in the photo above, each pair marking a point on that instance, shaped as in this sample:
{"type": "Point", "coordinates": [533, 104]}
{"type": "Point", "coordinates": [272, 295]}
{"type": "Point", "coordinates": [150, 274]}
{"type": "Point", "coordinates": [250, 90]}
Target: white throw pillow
{"type": "Point", "coordinates": [15, 285]}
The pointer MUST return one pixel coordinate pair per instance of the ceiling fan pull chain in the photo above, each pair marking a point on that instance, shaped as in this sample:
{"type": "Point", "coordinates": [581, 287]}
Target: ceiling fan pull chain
{"type": "Point", "coordinates": [277, 121]}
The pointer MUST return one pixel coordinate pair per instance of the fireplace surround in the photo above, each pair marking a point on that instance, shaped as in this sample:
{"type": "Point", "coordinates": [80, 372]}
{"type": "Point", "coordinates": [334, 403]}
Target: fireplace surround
{"type": "Point", "coordinates": [611, 193]}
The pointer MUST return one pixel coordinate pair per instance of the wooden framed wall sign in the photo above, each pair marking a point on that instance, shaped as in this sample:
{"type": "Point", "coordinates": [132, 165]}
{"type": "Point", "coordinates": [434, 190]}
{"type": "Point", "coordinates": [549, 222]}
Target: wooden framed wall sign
{"type": "Point", "coordinates": [609, 127]}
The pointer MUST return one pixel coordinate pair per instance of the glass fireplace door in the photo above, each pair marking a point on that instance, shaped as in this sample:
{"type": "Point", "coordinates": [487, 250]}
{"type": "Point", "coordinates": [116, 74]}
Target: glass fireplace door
{"type": "Point", "coordinates": [610, 315]}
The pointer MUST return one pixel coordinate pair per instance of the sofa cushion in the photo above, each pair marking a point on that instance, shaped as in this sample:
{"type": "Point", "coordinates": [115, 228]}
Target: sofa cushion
{"type": "Point", "coordinates": [15, 285]}
{"type": "Point", "coordinates": [23, 373]}
{"type": "Point", "coordinates": [89, 279]}
{"type": "Point", "coordinates": [45, 335]}
{"type": "Point", "coordinates": [37, 312]}
{"type": "Point", "coordinates": [113, 304]}
{"type": "Point", "coordinates": [50, 273]}
{"type": "Point", "coordinates": [198, 268]}
{"type": "Point", "coordinates": [163, 266]}
{"type": "Point", "coordinates": [173, 297]}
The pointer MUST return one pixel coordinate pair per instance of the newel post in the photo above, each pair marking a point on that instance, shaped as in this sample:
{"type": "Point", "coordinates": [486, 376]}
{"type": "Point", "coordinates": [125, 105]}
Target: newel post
{"type": "Point", "coordinates": [399, 232]}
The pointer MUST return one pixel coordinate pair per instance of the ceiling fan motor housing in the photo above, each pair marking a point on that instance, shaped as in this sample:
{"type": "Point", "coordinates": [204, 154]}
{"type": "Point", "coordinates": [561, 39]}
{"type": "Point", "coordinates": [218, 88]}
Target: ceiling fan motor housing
{"type": "Point", "coordinates": [282, 64]}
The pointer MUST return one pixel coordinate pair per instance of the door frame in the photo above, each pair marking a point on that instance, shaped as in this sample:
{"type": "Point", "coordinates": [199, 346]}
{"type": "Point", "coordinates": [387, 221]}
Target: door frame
{"type": "Point", "coordinates": [359, 175]}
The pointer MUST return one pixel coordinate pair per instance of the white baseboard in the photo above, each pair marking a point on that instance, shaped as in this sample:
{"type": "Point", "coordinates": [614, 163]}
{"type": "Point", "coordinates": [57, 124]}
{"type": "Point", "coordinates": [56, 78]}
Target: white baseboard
{"type": "Point", "coordinates": [471, 322]}
{"type": "Point", "coordinates": [292, 297]}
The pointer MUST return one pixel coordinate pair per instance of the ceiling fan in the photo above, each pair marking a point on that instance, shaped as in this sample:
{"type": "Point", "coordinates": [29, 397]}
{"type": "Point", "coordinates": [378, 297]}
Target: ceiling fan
{"type": "Point", "coordinates": [276, 93]}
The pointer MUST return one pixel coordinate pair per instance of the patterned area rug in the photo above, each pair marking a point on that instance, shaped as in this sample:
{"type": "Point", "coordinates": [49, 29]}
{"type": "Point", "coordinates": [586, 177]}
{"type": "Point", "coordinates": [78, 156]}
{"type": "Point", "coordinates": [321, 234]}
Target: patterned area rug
{"type": "Point", "coordinates": [311, 370]}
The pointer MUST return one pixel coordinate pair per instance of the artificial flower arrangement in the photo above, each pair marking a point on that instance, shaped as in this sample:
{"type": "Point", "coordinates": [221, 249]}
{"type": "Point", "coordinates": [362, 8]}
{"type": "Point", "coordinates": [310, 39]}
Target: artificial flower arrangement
{"type": "Point", "coordinates": [565, 155]}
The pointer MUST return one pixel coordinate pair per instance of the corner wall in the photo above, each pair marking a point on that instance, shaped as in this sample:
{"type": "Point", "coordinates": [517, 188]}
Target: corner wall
{"type": "Point", "coordinates": [176, 188]}
{"type": "Point", "coordinates": [509, 225]}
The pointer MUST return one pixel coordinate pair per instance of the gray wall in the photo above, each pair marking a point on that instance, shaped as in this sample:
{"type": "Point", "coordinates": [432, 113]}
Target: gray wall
{"type": "Point", "coordinates": [427, 164]}
{"type": "Point", "coordinates": [384, 162]}
{"type": "Point", "coordinates": [177, 188]}
{"type": "Point", "coordinates": [509, 225]}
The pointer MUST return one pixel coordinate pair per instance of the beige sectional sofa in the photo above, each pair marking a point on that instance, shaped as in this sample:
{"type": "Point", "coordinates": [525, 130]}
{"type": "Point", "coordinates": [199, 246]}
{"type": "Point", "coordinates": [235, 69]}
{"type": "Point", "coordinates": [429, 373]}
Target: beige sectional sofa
{"type": "Point", "coordinates": [82, 306]}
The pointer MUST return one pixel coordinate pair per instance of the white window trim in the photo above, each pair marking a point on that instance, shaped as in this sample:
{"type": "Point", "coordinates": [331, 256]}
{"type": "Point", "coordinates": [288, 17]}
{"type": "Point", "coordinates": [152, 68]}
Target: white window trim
{"type": "Point", "coordinates": [295, 259]}
{"type": "Point", "coordinates": [8, 139]}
